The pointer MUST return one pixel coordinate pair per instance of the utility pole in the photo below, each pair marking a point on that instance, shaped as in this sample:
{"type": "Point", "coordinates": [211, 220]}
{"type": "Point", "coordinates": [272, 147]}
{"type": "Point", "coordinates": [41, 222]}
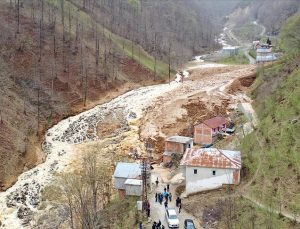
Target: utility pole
{"type": "Point", "coordinates": [170, 63]}
{"type": "Point", "coordinates": [146, 176]}
{"type": "Point", "coordinates": [38, 112]}
{"type": "Point", "coordinates": [144, 166]}
{"type": "Point", "coordinates": [1, 120]}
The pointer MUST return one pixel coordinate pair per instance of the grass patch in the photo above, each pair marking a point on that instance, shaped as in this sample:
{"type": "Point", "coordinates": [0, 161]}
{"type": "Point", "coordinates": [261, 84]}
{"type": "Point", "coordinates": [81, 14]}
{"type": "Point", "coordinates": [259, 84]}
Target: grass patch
{"type": "Point", "coordinates": [141, 56]}
{"type": "Point", "coordinates": [248, 215]}
{"type": "Point", "coordinates": [121, 213]}
{"type": "Point", "coordinates": [252, 53]}
{"type": "Point", "coordinates": [248, 32]}
{"type": "Point", "coordinates": [240, 58]}
{"type": "Point", "coordinates": [277, 102]}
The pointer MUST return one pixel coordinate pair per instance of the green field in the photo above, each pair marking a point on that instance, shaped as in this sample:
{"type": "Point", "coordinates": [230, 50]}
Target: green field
{"type": "Point", "coordinates": [240, 58]}
{"type": "Point", "coordinates": [248, 32]}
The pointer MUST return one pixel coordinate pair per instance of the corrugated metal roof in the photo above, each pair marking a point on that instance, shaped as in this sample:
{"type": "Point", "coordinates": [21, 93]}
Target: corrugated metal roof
{"type": "Point", "coordinates": [179, 139]}
{"type": "Point", "coordinates": [134, 182]}
{"type": "Point", "coordinates": [212, 158]}
{"type": "Point", "coordinates": [215, 122]}
{"type": "Point", "coordinates": [127, 170]}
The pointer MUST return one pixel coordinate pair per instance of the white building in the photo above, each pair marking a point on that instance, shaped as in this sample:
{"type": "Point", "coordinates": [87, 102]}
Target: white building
{"type": "Point", "coordinates": [210, 168]}
{"type": "Point", "coordinates": [230, 50]}
{"type": "Point", "coordinates": [127, 178]}
{"type": "Point", "coordinates": [133, 187]}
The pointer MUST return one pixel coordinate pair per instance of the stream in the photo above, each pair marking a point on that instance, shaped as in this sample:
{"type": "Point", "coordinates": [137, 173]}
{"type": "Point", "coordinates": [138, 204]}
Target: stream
{"type": "Point", "coordinates": [24, 197]}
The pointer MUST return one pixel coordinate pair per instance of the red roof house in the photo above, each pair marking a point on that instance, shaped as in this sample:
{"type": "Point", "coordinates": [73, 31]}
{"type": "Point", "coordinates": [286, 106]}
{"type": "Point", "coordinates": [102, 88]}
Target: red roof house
{"type": "Point", "coordinates": [204, 133]}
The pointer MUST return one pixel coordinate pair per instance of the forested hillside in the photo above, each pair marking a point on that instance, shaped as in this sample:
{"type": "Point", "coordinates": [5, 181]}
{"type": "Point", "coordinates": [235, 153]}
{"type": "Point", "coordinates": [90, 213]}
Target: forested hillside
{"type": "Point", "coordinates": [272, 14]}
{"type": "Point", "coordinates": [60, 56]}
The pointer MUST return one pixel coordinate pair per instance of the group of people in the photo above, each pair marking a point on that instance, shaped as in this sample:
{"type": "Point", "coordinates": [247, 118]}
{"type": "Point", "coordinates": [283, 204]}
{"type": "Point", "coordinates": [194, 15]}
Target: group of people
{"type": "Point", "coordinates": [160, 197]}
{"type": "Point", "coordinates": [157, 225]}
{"type": "Point", "coordinates": [166, 197]}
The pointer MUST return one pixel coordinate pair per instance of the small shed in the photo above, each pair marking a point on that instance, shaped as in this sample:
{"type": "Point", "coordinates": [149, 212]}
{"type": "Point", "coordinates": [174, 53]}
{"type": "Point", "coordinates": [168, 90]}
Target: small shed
{"type": "Point", "coordinates": [123, 172]}
{"type": "Point", "coordinates": [230, 50]}
{"type": "Point", "coordinates": [176, 145]}
{"type": "Point", "coordinates": [133, 187]}
{"type": "Point", "coordinates": [205, 132]}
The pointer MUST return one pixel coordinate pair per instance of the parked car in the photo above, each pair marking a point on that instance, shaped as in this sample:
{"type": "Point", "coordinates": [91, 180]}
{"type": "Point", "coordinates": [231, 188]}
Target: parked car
{"type": "Point", "coordinates": [171, 218]}
{"type": "Point", "coordinates": [189, 224]}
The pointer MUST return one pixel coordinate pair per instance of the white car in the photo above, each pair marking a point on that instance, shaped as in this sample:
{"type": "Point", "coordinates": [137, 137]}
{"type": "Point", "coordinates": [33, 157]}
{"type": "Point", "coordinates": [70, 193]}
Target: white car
{"type": "Point", "coordinates": [171, 217]}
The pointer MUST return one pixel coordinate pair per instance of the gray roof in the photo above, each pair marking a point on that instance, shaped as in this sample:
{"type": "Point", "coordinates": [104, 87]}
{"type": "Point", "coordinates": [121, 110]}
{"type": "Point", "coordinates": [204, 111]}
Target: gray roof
{"type": "Point", "coordinates": [179, 139]}
{"type": "Point", "coordinates": [134, 182]}
{"type": "Point", "coordinates": [127, 170]}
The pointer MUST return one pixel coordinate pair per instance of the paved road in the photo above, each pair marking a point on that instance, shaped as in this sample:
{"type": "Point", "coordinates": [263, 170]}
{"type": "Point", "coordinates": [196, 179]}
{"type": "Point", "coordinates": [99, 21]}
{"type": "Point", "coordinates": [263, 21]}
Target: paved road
{"type": "Point", "coordinates": [158, 211]}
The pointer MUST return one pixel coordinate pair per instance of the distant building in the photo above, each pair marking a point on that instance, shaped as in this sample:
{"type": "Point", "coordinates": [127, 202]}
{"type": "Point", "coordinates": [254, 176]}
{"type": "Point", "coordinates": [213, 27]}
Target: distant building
{"type": "Point", "coordinates": [127, 177]}
{"type": "Point", "coordinates": [230, 50]}
{"type": "Point", "coordinates": [205, 132]}
{"type": "Point", "coordinates": [207, 169]}
{"type": "Point", "coordinates": [264, 53]}
{"type": "Point", "coordinates": [176, 145]}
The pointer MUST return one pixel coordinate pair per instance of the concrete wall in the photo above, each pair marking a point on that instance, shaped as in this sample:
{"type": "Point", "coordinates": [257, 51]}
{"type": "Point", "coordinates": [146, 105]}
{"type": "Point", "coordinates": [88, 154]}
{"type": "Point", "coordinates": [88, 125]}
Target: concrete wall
{"type": "Point", "coordinates": [203, 134]}
{"type": "Point", "coordinates": [133, 190]}
{"type": "Point", "coordinates": [174, 147]}
{"type": "Point", "coordinates": [205, 180]}
{"type": "Point", "coordinates": [119, 183]}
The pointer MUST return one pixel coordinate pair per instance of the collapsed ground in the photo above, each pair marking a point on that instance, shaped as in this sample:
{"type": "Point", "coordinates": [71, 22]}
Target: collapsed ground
{"type": "Point", "coordinates": [207, 93]}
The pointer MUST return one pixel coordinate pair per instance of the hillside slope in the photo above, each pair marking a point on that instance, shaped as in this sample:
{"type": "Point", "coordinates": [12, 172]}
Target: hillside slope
{"type": "Point", "coordinates": [59, 57]}
{"type": "Point", "coordinates": [272, 150]}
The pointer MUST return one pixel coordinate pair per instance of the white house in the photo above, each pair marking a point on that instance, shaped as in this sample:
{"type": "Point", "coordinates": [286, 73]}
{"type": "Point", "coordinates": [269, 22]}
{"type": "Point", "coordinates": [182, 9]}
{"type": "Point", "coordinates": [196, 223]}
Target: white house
{"type": "Point", "coordinates": [127, 178]}
{"type": "Point", "coordinates": [210, 168]}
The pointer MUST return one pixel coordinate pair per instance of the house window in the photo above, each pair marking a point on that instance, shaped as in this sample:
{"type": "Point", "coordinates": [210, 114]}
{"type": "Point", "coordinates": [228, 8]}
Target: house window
{"type": "Point", "coordinates": [214, 172]}
{"type": "Point", "coordinates": [195, 171]}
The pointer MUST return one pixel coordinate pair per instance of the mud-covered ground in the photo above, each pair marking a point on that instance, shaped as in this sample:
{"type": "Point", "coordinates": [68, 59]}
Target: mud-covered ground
{"type": "Point", "coordinates": [206, 93]}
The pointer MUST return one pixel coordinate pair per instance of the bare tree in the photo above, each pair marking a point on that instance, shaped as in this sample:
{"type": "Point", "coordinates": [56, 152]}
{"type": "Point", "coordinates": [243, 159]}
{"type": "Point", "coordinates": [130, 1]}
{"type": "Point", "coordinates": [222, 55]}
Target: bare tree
{"type": "Point", "coordinates": [86, 192]}
{"type": "Point", "coordinates": [18, 16]}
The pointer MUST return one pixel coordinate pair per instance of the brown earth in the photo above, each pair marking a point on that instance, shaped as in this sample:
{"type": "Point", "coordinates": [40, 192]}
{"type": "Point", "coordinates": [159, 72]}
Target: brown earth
{"type": "Point", "coordinates": [59, 80]}
{"type": "Point", "coordinates": [200, 97]}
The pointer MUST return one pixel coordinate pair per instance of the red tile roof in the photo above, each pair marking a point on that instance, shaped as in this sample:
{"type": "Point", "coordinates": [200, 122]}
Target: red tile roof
{"type": "Point", "coordinates": [215, 122]}
{"type": "Point", "coordinates": [212, 158]}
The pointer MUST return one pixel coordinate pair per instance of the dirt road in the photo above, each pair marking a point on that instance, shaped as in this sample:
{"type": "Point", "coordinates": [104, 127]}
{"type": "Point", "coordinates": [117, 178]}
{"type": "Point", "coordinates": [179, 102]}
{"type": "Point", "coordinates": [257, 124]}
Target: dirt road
{"type": "Point", "coordinates": [158, 211]}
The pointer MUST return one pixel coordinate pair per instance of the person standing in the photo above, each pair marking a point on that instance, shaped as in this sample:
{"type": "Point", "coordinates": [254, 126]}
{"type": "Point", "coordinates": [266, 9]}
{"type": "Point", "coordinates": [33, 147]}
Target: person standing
{"type": "Point", "coordinates": [156, 195]}
{"type": "Point", "coordinates": [158, 224]}
{"type": "Point", "coordinates": [154, 225]}
{"type": "Point", "coordinates": [166, 204]}
{"type": "Point", "coordinates": [170, 197]}
{"type": "Point", "coordinates": [167, 196]}
{"type": "Point", "coordinates": [156, 182]}
{"type": "Point", "coordinates": [180, 205]}
{"type": "Point", "coordinates": [168, 187]}
{"type": "Point", "coordinates": [177, 201]}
